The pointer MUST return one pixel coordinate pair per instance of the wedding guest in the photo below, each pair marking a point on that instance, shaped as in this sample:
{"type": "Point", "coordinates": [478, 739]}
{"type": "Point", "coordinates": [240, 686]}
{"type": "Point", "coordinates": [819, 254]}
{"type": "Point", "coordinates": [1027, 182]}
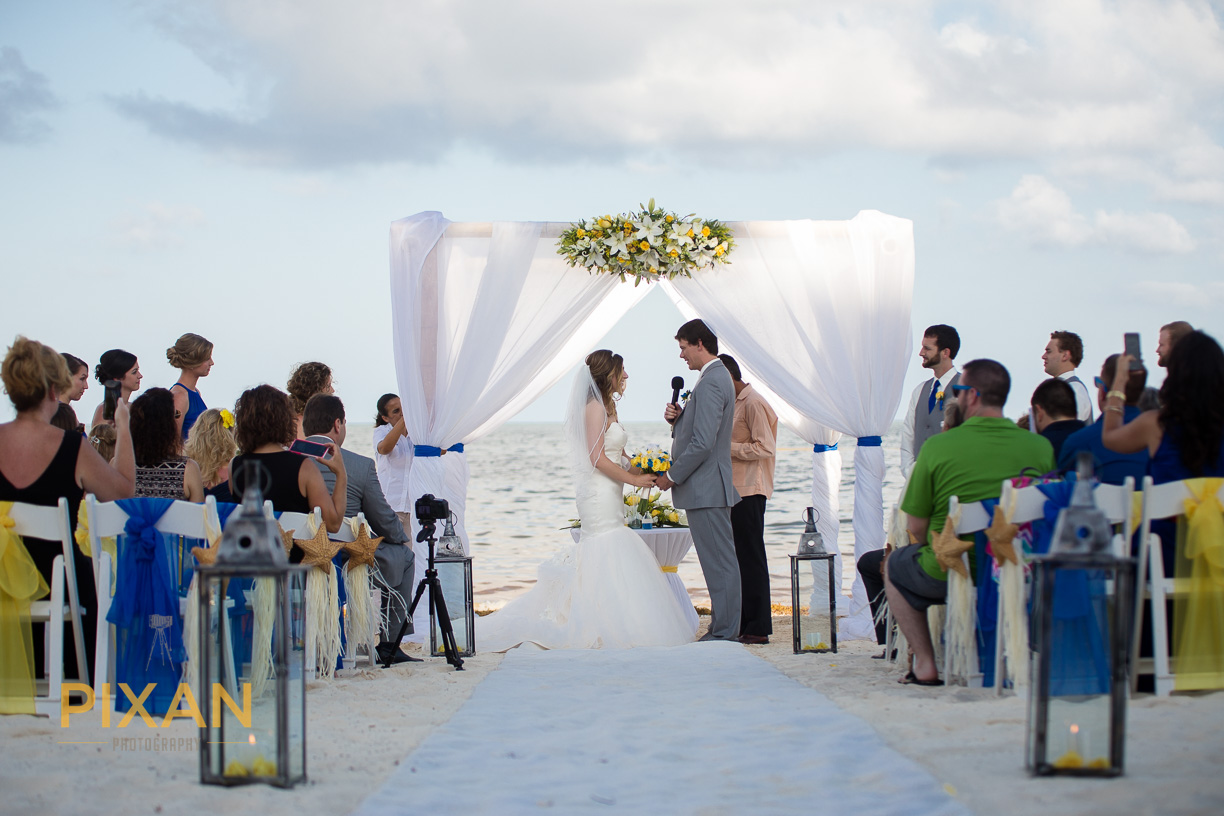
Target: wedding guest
{"type": "Point", "coordinates": [102, 437]}
{"type": "Point", "coordinates": [53, 464]}
{"type": "Point", "coordinates": [324, 421]}
{"type": "Point", "coordinates": [393, 452]}
{"type": "Point", "coordinates": [122, 366]}
{"type": "Point", "coordinates": [307, 380]}
{"type": "Point", "coordinates": [1109, 466]}
{"type": "Point", "coordinates": [754, 447]}
{"type": "Point", "coordinates": [79, 370]}
{"type": "Point", "coordinates": [1054, 412]}
{"type": "Point", "coordinates": [265, 427]}
{"type": "Point", "coordinates": [1170, 333]}
{"type": "Point", "coordinates": [924, 416]}
{"type": "Point", "coordinates": [1061, 357]}
{"type": "Point", "coordinates": [211, 445]}
{"type": "Point", "coordinates": [161, 471]}
{"type": "Point", "coordinates": [1185, 437]}
{"type": "Point", "coordinates": [191, 354]}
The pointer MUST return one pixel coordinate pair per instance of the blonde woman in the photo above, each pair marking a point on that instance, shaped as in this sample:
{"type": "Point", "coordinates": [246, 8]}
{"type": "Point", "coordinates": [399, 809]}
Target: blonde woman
{"type": "Point", "coordinates": [211, 445]}
{"type": "Point", "coordinates": [191, 354]}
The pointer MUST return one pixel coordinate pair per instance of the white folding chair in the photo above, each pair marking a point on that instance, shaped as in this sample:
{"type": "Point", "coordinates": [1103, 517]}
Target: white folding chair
{"type": "Point", "coordinates": [1163, 501]}
{"type": "Point", "coordinates": [1027, 504]}
{"type": "Point", "coordinates": [183, 519]}
{"type": "Point", "coordinates": [973, 519]}
{"type": "Point", "coordinates": [355, 641]}
{"type": "Point", "coordinates": [64, 606]}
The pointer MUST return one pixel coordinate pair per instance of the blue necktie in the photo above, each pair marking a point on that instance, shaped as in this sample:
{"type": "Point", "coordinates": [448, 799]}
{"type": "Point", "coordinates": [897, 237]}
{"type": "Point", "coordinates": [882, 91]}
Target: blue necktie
{"type": "Point", "coordinates": [931, 400]}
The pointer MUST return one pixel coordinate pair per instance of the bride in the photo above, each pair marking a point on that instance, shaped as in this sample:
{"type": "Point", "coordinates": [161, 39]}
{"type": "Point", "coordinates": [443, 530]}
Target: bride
{"type": "Point", "coordinates": [606, 591]}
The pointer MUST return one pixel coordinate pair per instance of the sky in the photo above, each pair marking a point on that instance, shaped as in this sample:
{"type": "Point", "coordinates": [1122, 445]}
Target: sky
{"type": "Point", "coordinates": [231, 167]}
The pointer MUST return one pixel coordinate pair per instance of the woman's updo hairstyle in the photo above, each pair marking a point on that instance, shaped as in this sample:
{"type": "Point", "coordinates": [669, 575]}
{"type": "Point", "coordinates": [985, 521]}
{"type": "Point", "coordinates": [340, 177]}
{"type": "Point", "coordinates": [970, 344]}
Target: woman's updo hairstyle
{"type": "Point", "coordinates": [189, 351]}
{"type": "Point", "coordinates": [31, 371]}
{"type": "Point", "coordinates": [114, 365]}
{"type": "Point", "coordinates": [606, 368]}
{"type": "Point", "coordinates": [306, 380]}
{"type": "Point", "coordinates": [75, 363]}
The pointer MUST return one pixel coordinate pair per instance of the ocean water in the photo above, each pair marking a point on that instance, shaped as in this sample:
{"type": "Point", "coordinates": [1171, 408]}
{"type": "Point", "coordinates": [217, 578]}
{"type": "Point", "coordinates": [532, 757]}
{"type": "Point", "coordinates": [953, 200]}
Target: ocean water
{"type": "Point", "coordinates": [520, 498]}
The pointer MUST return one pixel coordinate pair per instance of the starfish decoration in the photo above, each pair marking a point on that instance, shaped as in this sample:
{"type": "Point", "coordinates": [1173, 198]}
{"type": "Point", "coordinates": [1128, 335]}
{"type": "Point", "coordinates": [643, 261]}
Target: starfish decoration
{"type": "Point", "coordinates": [319, 550]}
{"type": "Point", "coordinates": [205, 556]}
{"type": "Point", "coordinates": [286, 538]}
{"type": "Point", "coordinates": [949, 549]}
{"type": "Point", "coordinates": [361, 549]}
{"type": "Point", "coordinates": [1002, 535]}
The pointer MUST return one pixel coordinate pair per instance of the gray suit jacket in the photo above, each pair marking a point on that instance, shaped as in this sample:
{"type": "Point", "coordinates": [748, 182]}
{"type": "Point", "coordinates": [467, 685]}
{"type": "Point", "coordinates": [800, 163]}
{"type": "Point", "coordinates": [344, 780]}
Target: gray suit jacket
{"type": "Point", "coordinates": [365, 494]}
{"type": "Point", "coordinates": [701, 447]}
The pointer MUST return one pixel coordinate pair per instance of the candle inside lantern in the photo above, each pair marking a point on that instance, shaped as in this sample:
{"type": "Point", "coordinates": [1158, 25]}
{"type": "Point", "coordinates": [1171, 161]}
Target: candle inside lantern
{"type": "Point", "coordinates": [1073, 757]}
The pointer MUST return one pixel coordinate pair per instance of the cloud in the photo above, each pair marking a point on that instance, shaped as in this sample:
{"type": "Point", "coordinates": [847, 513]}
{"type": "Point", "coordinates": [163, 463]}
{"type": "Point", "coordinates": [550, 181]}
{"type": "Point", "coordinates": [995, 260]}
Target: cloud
{"type": "Point", "coordinates": [320, 82]}
{"type": "Point", "coordinates": [23, 94]}
{"type": "Point", "coordinates": [1046, 216]}
{"type": "Point", "coordinates": [157, 227]}
{"type": "Point", "coordinates": [1180, 293]}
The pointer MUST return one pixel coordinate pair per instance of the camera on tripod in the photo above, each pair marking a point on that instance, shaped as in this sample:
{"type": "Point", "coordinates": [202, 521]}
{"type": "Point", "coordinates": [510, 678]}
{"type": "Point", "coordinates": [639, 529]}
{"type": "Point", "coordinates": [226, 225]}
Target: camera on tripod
{"type": "Point", "coordinates": [430, 509]}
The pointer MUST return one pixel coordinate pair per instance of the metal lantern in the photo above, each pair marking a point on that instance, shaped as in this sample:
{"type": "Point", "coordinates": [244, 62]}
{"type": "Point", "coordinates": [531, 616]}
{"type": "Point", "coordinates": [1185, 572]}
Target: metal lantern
{"type": "Point", "coordinates": [455, 577]}
{"type": "Point", "coordinates": [252, 601]}
{"type": "Point", "coordinates": [1081, 611]}
{"type": "Point", "coordinates": [804, 567]}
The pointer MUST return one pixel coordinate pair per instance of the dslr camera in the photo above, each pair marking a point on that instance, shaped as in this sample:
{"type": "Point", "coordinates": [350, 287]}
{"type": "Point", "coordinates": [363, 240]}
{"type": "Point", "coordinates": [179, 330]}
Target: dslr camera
{"type": "Point", "coordinates": [430, 509]}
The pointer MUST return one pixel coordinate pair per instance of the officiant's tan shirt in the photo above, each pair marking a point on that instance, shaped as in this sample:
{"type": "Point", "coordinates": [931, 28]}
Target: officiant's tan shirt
{"type": "Point", "coordinates": [754, 444]}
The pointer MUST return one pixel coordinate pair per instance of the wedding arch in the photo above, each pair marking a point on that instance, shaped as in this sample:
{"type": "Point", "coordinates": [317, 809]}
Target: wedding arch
{"type": "Point", "coordinates": [487, 317]}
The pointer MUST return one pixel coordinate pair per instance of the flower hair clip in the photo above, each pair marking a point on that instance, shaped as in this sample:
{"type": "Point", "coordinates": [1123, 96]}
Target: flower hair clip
{"type": "Point", "coordinates": [227, 419]}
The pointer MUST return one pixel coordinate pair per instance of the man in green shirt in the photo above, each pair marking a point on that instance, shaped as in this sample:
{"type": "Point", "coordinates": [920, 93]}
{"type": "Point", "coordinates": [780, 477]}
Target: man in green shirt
{"type": "Point", "coordinates": [969, 462]}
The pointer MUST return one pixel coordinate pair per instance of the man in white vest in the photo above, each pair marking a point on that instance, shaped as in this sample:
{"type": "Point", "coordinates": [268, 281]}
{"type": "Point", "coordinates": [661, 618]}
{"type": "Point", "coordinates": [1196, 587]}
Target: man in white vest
{"type": "Point", "coordinates": [924, 416]}
{"type": "Point", "coordinates": [1062, 356]}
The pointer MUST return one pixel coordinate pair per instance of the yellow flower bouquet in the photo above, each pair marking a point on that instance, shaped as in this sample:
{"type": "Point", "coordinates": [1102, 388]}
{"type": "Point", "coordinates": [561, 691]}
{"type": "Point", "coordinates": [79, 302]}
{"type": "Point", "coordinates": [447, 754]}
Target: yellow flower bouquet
{"type": "Point", "coordinates": [648, 244]}
{"type": "Point", "coordinates": [652, 460]}
{"type": "Point", "coordinates": [652, 504]}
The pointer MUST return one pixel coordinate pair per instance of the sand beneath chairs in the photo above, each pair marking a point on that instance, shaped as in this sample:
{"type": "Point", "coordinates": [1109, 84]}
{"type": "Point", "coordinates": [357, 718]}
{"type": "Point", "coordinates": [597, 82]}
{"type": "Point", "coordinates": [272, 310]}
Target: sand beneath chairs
{"type": "Point", "coordinates": [361, 727]}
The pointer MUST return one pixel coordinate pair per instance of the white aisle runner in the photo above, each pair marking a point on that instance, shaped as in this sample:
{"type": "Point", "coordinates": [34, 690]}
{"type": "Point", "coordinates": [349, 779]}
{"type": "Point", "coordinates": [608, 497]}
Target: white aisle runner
{"type": "Point", "coordinates": [703, 728]}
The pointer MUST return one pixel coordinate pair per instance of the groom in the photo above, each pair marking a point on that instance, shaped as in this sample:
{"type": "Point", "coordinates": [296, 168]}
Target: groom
{"type": "Point", "coordinates": [701, 473]}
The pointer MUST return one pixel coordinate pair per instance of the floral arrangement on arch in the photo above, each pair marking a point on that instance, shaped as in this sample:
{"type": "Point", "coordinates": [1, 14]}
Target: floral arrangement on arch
{"type": "Point", "coordinates": [651, 503]}
{"type": "Point", "coordinates": [648, 244]}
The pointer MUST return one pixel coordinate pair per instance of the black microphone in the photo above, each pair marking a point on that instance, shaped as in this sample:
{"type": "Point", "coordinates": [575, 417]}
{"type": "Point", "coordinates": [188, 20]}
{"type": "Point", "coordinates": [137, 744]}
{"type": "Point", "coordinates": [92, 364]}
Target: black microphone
{"type": "Point", "coordinates": [677, 384]}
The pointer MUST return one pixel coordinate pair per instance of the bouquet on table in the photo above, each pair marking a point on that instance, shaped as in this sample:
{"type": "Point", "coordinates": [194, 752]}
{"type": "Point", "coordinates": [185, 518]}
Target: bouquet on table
{"type": "Point", "coordinates": [651, 505]}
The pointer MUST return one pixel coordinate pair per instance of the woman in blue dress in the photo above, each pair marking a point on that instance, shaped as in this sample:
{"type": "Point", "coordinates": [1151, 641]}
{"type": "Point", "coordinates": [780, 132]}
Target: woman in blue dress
{"type": "Point", "coordinates": [191, 354]}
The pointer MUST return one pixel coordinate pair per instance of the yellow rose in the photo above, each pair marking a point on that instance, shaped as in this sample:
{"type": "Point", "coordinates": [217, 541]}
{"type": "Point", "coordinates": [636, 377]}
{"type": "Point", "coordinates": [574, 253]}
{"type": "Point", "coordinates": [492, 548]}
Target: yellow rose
{"type": "Point", "coordinates": [718, 253]}
{"type": "Point", "coordinates": [673, 517]}
{"type": "Point", "coordinates": [581, 233]}
{"type": "Point", "coordinates": [645, 245]}
{"type": "Point", "coordinates": [655, 512]}
{"type": "Point", "coordinates": [690, 232]}
{"type": "Point", "coordinates": [605, 223]}
{"type": "Point", "coordinates": [670, 218]}
{"type": "Point", "coordinates": [673, 253]}
{"type": "Point", "coordinates": [705, 232]}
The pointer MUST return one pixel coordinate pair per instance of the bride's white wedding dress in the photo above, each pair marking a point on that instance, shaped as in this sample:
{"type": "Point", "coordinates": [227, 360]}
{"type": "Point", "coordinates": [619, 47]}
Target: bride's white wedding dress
{"type": "Point", "coordinates": [605, 592]}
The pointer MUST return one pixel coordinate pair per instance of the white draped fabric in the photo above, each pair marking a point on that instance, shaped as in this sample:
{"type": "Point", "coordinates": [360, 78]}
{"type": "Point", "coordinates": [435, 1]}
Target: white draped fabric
{"type": "Point", "coordinates": [819, 312]}
{"type": "Point", "coordinates": [487, 317]}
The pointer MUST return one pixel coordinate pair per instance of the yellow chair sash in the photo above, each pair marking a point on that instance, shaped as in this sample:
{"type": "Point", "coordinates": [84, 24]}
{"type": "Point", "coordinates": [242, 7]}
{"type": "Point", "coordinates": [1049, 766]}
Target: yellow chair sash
{"type": "Point", "coordinates": [20, 584]}
{"type": "Point", "coordinates": [1198, 606]}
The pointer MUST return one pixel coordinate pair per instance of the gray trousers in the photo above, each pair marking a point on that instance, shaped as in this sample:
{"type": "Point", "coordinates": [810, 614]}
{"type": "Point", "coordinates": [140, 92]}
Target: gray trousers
{"type": "Point", "coordinates": [715, 543]}
{"type": "Point", "coordinates": [396, 564]}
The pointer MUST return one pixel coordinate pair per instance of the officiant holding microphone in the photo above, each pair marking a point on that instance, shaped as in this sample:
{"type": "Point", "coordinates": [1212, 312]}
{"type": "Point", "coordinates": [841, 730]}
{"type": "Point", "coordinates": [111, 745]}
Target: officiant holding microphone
{"type": "Point", "coordinates": [700, 474]}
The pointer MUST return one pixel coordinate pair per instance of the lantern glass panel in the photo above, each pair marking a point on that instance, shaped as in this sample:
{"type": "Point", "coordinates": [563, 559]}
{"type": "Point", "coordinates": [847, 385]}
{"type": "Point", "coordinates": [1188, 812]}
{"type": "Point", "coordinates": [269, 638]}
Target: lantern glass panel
{"type": "Point", "coordinates": [455, 577]}
{"type": "Point", "coordinates": [255, 730]}
{"type": "Point", "coordinates": [1077, 699]}
{"type": "Point", "coordinates": [813, 616]}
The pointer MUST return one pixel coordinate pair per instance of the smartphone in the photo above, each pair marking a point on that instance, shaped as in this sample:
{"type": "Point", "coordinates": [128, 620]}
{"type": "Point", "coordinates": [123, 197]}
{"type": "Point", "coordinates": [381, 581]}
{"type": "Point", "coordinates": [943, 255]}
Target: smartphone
{"type": "Point", "coordinates": [1130, 345]}
{"type": "Point", "coordinates": [315, 450]}
{"type": "Point", "coordinates": [112, 393]}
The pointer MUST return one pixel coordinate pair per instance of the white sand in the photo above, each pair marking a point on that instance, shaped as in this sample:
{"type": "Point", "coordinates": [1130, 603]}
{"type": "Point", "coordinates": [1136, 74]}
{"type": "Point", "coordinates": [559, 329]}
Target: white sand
{"type": "Point", "coordinates": [359, 729]}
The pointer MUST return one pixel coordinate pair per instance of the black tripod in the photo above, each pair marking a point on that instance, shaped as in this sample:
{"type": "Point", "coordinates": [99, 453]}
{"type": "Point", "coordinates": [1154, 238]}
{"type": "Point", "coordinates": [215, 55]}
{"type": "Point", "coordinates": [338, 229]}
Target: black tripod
{"type": "Point", "coordinates": [437, 603]}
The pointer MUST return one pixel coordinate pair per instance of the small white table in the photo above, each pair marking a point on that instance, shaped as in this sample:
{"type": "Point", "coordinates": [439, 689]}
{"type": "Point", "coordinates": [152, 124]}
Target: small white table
{"type": "Point", "coordinates": [669, 545]}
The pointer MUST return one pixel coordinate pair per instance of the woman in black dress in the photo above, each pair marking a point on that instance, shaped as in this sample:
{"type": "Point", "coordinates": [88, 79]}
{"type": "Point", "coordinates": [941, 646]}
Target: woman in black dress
{"type": "Point", "coordinates": [39, 464]}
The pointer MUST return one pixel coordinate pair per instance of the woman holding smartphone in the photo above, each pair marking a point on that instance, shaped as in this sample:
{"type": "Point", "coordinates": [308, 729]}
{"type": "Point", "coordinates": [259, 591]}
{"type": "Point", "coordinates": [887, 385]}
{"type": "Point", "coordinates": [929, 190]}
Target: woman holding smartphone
{"type": "Point", "coordinates": [266, 426]}
{"type": "Point", "coordinates": [122, 367]}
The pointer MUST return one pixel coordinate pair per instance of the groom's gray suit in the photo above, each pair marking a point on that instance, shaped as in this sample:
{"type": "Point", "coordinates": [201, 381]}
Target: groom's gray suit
{"type": "Point", "coordinates": [701, 470]}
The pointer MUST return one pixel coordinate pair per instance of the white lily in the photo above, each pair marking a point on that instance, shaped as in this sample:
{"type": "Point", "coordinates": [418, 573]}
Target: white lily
{"type": "Point", "coordinates": [647, 229]}
{"type": "Point", "coordinates": [617, 243]}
